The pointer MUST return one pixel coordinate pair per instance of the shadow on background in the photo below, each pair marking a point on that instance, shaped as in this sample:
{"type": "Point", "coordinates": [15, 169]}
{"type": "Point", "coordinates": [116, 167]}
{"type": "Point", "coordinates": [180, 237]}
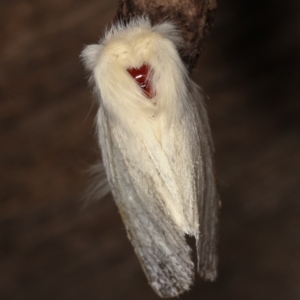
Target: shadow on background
{"type": "Point", "coordinates": [51, 249]}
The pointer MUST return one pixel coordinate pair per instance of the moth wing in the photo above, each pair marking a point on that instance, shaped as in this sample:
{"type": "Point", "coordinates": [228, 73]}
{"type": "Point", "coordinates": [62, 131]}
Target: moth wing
{"type": "Point", "coordinates": [158, 242]}
{"type": "Point", "coordinates": [208, 198]}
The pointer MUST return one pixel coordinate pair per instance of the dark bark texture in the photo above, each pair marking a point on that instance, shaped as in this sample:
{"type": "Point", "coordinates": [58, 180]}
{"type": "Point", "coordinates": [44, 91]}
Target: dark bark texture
{"type": "Point", "coordinates": [192, 17]}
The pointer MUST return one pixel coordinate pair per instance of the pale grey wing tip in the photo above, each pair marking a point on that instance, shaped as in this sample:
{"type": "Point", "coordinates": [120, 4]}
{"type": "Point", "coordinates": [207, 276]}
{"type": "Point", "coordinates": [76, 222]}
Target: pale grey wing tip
{"type": "Point", "coordinates": [169, 274]}
{"type": "Point", "coordinates": [171, 291]}
{"type": "Point", "coordinates": [208, 261]}
{"type": "Point", "coordinates": [168, 295]}
{"type": "Point", "coordinates": [208, 269]}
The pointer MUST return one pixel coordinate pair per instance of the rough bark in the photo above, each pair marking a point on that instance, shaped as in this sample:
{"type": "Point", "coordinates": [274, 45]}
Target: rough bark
{"type": "Point", "coordinates": [192, 17]}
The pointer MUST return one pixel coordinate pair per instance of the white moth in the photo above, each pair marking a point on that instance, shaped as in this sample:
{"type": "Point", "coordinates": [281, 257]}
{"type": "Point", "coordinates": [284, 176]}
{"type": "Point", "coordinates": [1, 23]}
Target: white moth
{"type": "Point", "coordinates": [156, 148]}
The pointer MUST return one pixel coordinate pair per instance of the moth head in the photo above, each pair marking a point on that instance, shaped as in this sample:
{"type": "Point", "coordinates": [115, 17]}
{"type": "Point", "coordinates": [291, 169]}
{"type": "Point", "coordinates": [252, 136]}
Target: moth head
{"type": "Point", "coordinates": [117, 52]}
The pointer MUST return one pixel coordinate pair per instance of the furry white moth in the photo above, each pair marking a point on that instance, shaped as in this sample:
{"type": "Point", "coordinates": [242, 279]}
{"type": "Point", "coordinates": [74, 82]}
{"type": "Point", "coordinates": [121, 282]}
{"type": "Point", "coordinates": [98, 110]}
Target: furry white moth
{"type": "Point", "coordinates": [156, 148]}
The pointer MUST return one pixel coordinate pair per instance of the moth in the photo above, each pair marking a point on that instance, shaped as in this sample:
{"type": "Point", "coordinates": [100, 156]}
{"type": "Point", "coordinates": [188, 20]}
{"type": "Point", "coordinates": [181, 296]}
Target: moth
{"type": "Point", "coordinates": [153, 132]}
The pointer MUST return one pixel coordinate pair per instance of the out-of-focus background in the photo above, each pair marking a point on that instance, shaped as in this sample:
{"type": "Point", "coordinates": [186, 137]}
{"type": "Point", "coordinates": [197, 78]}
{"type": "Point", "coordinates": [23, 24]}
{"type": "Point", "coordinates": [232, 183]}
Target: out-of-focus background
{"type": "Point", "coordinates": [52, 247]}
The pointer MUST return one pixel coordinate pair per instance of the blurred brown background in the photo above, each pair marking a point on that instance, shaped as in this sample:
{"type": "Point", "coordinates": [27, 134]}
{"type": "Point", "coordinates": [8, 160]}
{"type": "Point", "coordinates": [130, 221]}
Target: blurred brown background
{"type": "Point", "coordinates": [51, 248]}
